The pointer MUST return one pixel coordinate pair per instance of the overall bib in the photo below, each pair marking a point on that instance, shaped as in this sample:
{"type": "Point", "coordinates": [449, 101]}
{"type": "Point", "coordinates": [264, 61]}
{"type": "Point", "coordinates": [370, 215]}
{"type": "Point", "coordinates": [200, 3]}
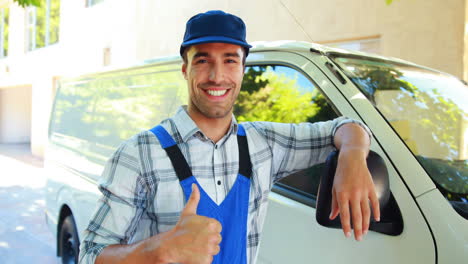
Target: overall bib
{"type": "Point", "coordinates": [232, 212]}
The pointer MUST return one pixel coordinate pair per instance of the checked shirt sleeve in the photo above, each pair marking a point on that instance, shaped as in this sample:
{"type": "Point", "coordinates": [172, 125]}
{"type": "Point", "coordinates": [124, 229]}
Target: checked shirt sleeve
{"type": "Point", "coordinates": [299, 146]}
{"type": "Point", "coordinates": [120, 206]}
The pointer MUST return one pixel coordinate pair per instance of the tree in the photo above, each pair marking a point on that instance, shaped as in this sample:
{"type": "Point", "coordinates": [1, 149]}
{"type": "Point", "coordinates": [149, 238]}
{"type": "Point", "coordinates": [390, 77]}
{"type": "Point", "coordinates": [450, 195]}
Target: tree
{"type": "Point", "coordinates": [26, 3]}
{"type": "Point", "coordinates": [268, 94]}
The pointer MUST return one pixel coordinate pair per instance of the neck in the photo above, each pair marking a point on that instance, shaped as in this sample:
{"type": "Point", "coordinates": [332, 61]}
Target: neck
{"type": "Point", "coordinates": [213, 128]}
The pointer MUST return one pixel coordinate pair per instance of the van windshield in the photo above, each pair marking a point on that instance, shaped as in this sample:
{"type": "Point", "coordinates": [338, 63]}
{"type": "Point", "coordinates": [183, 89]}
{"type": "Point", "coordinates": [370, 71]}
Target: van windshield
{"type": "Point", "coordinates": [428, 110]}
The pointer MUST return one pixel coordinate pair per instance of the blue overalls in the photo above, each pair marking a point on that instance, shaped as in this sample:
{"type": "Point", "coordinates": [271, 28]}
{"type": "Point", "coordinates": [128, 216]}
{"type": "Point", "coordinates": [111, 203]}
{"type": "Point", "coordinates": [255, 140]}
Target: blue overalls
{"type": "Point", "coordinates": [232, 212]}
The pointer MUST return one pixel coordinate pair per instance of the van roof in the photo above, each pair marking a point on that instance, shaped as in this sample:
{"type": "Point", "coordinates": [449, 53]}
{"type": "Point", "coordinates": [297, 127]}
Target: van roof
{"type": "Point", "coordinates": [283, 45]}
{"type": "Point", "coordinates": [300, 46]}
{"type": "Point", "coordinates": [303, 46]}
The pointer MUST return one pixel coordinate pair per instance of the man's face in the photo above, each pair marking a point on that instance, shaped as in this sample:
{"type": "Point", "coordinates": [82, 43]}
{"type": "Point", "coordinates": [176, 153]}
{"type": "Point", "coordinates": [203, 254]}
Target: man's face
{"type": "Point", "coordinates": [214, 73]}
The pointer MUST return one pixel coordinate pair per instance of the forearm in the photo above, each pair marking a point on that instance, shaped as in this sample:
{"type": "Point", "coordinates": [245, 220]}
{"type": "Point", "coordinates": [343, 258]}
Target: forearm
{"type": "Point", "coordinates": [297, 146]}
{"type": "Point", "coordinates": [150, 250]}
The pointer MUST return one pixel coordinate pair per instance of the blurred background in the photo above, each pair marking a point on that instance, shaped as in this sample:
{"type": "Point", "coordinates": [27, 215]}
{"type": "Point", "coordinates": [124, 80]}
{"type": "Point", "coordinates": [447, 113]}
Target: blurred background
{"type": "Point", "coordinates": [40, 45]}
{"type": "Point", "coordinates": [54, 39]}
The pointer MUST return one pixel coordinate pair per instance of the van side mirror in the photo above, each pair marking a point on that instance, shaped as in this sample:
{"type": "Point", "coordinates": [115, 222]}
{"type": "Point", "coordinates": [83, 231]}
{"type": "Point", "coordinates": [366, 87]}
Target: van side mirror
{"type": "Point", "coordinates": [391, 221]}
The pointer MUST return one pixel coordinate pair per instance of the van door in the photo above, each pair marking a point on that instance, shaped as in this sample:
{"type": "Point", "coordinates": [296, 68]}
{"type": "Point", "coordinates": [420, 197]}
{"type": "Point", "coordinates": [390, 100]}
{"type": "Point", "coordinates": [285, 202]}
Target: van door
{"type": "Point", "coordinates": [282, 81]}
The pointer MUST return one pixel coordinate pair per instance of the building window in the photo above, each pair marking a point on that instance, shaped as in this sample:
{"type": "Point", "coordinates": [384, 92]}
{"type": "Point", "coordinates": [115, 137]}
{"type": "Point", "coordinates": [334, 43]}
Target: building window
{"type": "Point", "coordinates": [42, 25]}
{"type": "Point", "coordinates": [93, 2]}
{"type": "Point", "coordinates": [370, 45]}
{"type": "Point", "coordinates": [4, 17]}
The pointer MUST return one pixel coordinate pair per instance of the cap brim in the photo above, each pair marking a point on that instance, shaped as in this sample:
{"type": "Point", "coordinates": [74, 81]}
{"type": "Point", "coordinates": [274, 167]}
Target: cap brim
{"type": "Point", "coordinates": [214, 39]}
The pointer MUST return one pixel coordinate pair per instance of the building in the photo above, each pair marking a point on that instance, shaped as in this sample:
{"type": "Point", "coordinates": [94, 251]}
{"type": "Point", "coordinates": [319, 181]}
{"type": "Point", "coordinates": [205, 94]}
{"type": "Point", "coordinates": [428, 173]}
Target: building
{"type": "Point", "coordinates": [38, 46]}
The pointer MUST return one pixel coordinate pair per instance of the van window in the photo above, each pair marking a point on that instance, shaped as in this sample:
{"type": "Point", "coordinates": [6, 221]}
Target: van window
{"type": "Point", "coordinates": [278, 93]}
{"type": "Point", "coordinates": [95, 114]}
{"type": "Point", "coordinates": [128, 105]}
{"type": "Point", "coordinates": [428, 110]}
{"type": "Point", "coordinates": [110, 109]}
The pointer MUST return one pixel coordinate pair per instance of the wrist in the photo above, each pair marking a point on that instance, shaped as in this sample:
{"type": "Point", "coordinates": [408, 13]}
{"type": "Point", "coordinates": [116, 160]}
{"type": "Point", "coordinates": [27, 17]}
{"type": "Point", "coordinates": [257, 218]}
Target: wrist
{"type": "Point", "coordinates": [354, 151]}
{"type": "Point", "coordinates": [156, 249]}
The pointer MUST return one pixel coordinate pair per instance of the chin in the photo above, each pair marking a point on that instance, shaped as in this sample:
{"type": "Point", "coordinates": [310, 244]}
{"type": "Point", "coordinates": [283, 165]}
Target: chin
{"type": "Point", "coordinates": [217, 113]}
{"type": "Point", "coordinates": [212, 112]}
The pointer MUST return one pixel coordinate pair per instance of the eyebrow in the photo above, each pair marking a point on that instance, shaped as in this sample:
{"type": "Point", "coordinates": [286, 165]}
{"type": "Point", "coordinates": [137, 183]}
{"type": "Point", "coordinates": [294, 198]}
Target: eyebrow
{"type": "Point", "coordinates": [205, 54]}
{"type": "Point", "coordinates": [200, 54]}
{"type": "Point", "coordinates": [231, 54]}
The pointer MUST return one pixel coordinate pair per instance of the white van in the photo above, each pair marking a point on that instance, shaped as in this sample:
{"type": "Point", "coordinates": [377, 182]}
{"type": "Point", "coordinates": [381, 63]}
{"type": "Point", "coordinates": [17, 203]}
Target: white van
{"type": "Point", "coordinates": [418, 116]}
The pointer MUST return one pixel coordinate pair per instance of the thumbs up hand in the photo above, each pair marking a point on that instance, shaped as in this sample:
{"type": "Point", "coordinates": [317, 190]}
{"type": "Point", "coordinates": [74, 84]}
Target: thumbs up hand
{"type": "Point", "coordinates": [195, 239]}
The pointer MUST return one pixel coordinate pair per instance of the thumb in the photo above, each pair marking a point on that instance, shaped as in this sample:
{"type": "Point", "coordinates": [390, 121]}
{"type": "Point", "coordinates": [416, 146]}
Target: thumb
{"type": "Point", "coordinates": [192, 203]}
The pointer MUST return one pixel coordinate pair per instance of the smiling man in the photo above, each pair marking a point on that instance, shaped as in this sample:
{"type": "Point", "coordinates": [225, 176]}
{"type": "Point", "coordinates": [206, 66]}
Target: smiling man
{"type": "Point", "coordinates": [194, 188]}
{"type": "Point", "coordinates": [214, 73]}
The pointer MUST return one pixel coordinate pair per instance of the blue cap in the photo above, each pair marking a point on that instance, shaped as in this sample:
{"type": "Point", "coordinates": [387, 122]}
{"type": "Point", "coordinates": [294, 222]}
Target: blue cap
{"type": "Point", "coordinates": [214, 26]}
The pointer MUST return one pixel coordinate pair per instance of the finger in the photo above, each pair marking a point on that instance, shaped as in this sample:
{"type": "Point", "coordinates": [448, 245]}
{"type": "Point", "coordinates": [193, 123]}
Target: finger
{"type": "Point", "coordinates": [365, 216]}
{"type": "Point", "coordinates": [375, 205]}
{"type": "Point", "coordinates": [334, 206]}
{"type": "Point", "coordinates": [344, 216]}
{"type": "Point", "coordinates": [215, 250]}
{"type": "Point", "coordinates": [217, 239]}
{"type": "Point", "coordinates": [192, 203]}
{"type": "Point", "coordinates": [357, 218]}
{"type": "Point", "coordinates": [214, 225]}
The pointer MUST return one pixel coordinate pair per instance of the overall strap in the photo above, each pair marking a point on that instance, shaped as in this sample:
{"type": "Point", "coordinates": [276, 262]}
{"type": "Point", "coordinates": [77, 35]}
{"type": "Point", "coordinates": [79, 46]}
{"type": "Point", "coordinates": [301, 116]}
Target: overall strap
{"type": "Point", "coordinates": [178, 161]}
{"type": "Point", "coordinates": [245, 166]}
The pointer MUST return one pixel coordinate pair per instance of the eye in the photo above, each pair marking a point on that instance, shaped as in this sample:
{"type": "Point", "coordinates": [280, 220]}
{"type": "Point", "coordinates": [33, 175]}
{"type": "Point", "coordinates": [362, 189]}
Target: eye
{"type": "Point", "coordinates": [231, 61]}
{"type": "Point", "coordinates": [201, 61]}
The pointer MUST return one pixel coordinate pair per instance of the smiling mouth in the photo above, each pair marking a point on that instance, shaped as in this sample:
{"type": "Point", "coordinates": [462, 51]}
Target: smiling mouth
{"type": "Point", "coordinates": [216, 92]}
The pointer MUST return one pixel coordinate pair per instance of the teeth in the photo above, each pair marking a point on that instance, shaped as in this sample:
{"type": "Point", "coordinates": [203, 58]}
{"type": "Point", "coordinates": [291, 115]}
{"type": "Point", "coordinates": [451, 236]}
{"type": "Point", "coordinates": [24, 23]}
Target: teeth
{"type": "Point", "coordinates": [216, 92]}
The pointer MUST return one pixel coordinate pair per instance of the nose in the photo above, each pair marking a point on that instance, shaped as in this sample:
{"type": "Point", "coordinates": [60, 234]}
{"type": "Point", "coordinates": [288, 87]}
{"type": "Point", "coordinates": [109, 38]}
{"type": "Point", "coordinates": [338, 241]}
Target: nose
{"type": "Point", "coordinates": [216, 72]}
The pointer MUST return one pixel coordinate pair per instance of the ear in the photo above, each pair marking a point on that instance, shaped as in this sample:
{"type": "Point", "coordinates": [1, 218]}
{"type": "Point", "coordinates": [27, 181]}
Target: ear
{"type": "Point", "coordinates": [184, 70]}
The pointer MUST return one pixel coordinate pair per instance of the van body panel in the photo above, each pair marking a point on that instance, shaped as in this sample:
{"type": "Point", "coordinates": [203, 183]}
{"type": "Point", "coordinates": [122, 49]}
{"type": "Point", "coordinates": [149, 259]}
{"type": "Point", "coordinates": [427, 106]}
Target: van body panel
{"type": "Point", "coordinates": [449, 228]}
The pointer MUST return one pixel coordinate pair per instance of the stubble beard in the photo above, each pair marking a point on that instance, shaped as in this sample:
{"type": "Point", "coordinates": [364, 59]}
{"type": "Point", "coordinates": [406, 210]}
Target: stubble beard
{"type": "Point", "coordinates": [211, 113]}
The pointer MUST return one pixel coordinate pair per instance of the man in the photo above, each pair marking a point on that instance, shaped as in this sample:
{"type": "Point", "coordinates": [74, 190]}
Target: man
{"type": "Point", "coordinates": [194, 189]}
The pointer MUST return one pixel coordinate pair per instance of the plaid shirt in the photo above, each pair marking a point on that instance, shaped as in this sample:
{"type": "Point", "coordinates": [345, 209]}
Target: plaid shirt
{"type": "Point", "coordinates": [142, 195]}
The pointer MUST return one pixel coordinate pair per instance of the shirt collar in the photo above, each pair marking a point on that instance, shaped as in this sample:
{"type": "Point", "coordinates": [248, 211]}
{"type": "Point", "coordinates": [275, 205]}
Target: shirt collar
{"type": "Point", "coordinates": [187, 127]}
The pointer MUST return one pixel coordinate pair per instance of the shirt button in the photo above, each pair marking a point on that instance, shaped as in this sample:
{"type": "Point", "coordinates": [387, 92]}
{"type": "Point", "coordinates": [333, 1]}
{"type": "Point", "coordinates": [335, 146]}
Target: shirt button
{"type": "Point", "coordinates": [219, 182]}
{"type": "Point", "coordinates": [216, 146]}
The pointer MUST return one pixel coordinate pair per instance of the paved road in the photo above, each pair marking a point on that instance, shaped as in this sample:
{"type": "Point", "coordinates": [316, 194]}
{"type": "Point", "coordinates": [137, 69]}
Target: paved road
{"type": "Point", "coordinates": [24, 236]}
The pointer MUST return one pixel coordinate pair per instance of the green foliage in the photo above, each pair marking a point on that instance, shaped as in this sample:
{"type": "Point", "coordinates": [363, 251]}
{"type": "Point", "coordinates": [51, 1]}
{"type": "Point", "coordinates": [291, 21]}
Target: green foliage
{"type": "Point", "coordinates": [40, 26]}
{"type": "Point", "coordinates": [6, 14]}
{"type": "Point", "coordinates": [324, 110]}
{"type": "Point", "coordinates": [278, 102]}
{"type": "Point", "coordinates": [42, 35]}
{"type": "Point", "coordinates": [252, 81]}
{"type": "Point", "coordinates": [269, 95]}
{"type": "Point", "coordinates": [443, 170]}
{"type": "Point", "coordinates": [376, 78]}
{"type": "Point", "coordinates": [26, 3]}
{"type": "Point", "coordinates": [54, 21]}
